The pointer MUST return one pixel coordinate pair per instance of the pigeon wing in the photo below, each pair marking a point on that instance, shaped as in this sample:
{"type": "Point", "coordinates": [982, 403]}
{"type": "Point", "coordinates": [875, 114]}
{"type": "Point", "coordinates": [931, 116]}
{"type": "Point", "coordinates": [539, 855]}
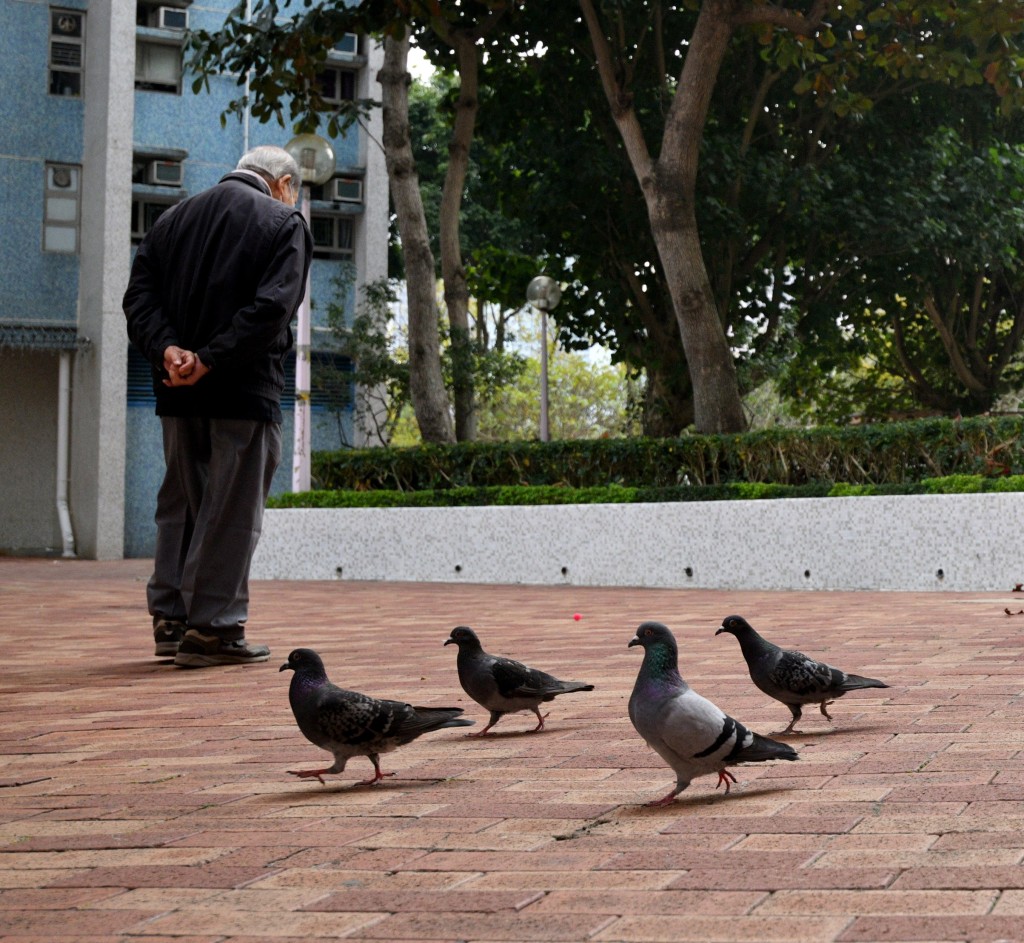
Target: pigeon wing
{"type": "Point", "coordinates": [516, 680]}
{"type": "Point", "coordinates": [351, 718]}
{"type": "Point", "coordinates": [688, 731]}
{"type": "Point", "coordinates": [798, 674]}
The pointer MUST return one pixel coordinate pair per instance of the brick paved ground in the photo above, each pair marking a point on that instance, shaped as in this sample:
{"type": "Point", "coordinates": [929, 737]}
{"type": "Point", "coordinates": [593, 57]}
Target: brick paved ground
{"type": "Point", "coordinates": [143, 802]}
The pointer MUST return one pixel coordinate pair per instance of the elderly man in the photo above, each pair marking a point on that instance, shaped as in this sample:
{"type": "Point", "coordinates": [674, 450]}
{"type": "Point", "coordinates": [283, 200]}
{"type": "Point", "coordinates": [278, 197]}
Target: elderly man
{"type": "Point", "coordinates": [212, 292]}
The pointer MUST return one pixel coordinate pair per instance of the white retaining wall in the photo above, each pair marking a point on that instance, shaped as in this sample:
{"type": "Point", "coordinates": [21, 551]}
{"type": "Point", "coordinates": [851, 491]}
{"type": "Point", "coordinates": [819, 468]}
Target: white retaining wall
{"type": "Point", "coordinates": [921, 542]}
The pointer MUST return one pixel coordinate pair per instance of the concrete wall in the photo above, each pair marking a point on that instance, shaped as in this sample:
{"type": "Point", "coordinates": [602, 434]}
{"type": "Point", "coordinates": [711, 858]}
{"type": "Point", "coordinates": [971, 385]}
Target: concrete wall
{"type": "Point", "coordinates": [952, 542]}
{"type": "Point", "coordinates": [98, 389]}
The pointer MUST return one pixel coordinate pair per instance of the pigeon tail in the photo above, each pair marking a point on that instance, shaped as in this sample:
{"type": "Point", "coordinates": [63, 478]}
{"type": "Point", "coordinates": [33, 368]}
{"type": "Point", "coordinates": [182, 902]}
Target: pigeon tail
{"type": "Point", "coordinates": [436, 718]}
{"type": "Point", "coordinates": [571, 687]}
{"type": "Point", "coordinates": [762, 749]}
{"type": "Point", "coordinates": [856, 683]}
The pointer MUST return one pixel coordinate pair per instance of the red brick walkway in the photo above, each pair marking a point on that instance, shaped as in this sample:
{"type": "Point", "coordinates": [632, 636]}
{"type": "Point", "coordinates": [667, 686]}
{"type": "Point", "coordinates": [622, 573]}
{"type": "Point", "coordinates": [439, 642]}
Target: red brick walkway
{"type": "Point", "coordinates": [143, 802]}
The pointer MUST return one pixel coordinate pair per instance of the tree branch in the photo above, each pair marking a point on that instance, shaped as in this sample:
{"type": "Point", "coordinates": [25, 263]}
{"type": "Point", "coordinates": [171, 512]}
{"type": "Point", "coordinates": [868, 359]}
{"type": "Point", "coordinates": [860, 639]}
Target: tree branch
{"type": "Point", "coordinates": [960, 368]}
{"type": "Point", "coordinates": [802, 24]}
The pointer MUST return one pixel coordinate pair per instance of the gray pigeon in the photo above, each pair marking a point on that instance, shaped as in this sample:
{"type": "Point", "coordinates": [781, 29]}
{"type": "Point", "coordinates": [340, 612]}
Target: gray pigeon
{"type": "Point", "coordinates": [349, 724]}
{"type": "Point", "coordinates": [504, 686]}
{"type": "Point", "coordinates": [792, 677]}
{"type": "Point", "coordinates": [686, 730]}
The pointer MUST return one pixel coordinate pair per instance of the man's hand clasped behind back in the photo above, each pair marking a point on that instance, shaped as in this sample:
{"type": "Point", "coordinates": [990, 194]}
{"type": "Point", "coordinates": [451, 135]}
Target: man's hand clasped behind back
{"type": "Point", "coordinates": [183, 367]}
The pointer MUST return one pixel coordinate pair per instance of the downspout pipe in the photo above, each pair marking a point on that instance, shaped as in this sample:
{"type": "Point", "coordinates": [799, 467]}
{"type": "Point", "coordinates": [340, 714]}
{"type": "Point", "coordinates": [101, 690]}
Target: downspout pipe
{"type": "Point", "coordinates": [63, 443]}
{"type": "Point", "coordinates": [247, 114]}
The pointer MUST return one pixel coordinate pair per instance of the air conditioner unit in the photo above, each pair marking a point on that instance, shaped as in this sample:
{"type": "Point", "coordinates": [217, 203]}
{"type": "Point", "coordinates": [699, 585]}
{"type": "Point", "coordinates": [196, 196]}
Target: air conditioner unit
{"type": "Point", "coordinates": [166, 173]}
{"type": "Point", "coordinates": [347, 47]}
{"type": "Point", "coordinates": [345, 189]}
{"type": "Point", "coordinates": [171, 18]}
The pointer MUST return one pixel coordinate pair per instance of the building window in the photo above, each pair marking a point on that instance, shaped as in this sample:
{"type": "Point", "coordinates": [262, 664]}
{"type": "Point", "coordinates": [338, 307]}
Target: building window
{"type": "Point", "coordinates": [62, 204]}
{"type": "Point", "coordinates": [332, 236]}
{"type": "Point", "coordinates": [145, 213]}
{"type": "Point", "coordinates": [159, 39]}
{"type": "Point", "coordinates": [157, 66]}
{"type": "Point", "coordinates": [67, 52]}
{"type": "Point", "coordinates": [337, 85]}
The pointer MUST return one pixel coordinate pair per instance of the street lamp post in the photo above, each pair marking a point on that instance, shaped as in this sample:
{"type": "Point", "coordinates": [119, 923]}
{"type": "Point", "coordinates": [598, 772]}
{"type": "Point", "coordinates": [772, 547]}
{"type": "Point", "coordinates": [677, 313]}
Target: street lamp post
{"type": "Point", "coordinates": [543, 294]}
{"type": "Point", "coordinates": [315, 158]}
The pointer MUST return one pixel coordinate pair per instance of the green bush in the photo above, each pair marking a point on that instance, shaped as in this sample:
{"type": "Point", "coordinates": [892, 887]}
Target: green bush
{"type": "Point", "coordinates": [883, 454]}
{"type": "Point", "coordinates": [617, 494]}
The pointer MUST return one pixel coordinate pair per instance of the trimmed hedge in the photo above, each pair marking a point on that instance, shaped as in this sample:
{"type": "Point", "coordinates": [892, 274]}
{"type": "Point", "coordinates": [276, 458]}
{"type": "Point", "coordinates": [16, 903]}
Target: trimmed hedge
{"type": "Point", "coordinates": [617, 494]}
{"type": "Point", "coordinates": [883, 454]}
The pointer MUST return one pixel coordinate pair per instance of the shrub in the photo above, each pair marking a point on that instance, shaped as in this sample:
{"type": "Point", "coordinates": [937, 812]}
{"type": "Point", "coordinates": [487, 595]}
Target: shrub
{"type": "Point", "coordinates": [884, 454]}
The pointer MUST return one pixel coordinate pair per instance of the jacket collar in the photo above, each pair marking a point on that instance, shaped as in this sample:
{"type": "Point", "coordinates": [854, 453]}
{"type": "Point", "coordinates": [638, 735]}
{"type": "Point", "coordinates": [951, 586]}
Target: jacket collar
{"type": "Point", "coordinates": [249, 177]}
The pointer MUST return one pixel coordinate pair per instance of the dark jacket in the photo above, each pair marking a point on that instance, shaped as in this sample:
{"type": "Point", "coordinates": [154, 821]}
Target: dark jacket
{"type": "Point", "coordinates": [222, 274]}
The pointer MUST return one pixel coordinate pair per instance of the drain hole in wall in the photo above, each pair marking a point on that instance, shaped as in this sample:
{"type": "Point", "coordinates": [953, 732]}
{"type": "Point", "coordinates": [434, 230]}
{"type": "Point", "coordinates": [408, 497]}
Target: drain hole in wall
{"type": "Point", "coordinates": [565, 571]}
{"type": "Point", "coordinates": [688, 571]}
{"type": "Point", "coordinates": [337, 571]}
{"type": "Point", "coordinates": [458, 567]}
{"type": "Point", "coordinates": [939, 574]}
{"type": "Point", "coordinates": [807, 574]}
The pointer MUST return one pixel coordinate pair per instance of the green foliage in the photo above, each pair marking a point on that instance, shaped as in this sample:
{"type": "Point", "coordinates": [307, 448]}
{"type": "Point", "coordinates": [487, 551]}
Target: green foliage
{"type": "Point", "coordinates": [380, 366]}
{"type": "Point", "coordinates": [892, 453]}
{"type": "Point", "coordinates": [825, 187]}
{"type": "Point", "coordinates": [616, 494]}
{"type": "Point", "coordinates": [586, 400]}
{"type": "Point", "coordinates": [932, 313]}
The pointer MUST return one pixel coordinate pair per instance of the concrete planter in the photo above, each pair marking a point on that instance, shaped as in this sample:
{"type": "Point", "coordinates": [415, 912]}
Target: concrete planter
{"type": "Point", "coordinates": [966, 542]}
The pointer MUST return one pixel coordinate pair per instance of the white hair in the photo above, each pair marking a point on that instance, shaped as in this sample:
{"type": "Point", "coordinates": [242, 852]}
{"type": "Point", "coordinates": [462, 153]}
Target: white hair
{"type": "Point", "coordinates": [271, 163]}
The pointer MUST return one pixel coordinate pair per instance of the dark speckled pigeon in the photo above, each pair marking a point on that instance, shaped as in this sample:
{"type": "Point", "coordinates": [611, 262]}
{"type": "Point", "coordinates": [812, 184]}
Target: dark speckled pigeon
{"type": "Point", "coordinates": [686, 730]}
{"type": "Point", "coordinates": [349, 724]}
{"type": "Point", "coordinates": [791, 677]}
{"type": "Point", "coordinates": [504, 686]}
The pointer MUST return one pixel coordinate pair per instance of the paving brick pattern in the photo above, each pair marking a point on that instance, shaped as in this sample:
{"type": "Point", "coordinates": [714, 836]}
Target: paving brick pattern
{"type": "Point", "coordinates": [143, 802]}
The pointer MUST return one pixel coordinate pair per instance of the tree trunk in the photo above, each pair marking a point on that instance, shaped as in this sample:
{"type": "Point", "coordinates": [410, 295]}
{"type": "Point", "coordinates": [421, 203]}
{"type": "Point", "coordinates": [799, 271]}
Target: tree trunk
{"type": "Point", "coordinates": [668, 399]}
{"type": "Point", "coordinates": [716, 399]}
{"type": "Point", "coordinates": [669, 187]}
{"type": "Point", "coordinates": [456, 291]}
{"type": "Point", "coordinates": [426, 384]}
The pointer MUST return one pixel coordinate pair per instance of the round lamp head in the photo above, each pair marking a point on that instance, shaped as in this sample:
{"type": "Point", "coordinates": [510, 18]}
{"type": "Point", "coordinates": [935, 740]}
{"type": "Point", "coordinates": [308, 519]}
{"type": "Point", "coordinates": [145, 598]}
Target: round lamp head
{"type": "Point", "coordinates": [314, 155]}
{"type": "Point", "coordinates": [543, 292]}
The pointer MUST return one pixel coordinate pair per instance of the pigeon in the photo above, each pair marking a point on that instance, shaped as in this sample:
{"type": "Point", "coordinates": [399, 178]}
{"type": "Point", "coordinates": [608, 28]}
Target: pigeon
{"type": "Point", "coordinates": [686, 730]}
{"type": "Point", "coordinates": [504, 686]}
{"type": "Point", "coordinates": [347, 723]}
{"type": "Point", "coordinates": [792, 677]}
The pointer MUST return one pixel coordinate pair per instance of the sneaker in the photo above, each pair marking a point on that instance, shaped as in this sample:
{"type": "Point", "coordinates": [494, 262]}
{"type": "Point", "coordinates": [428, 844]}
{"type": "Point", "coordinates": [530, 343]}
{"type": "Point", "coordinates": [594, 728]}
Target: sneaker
{"type": "Point", "coordinates": [206, 651]}
{"type": "Point", "coordinates": [167, 635]}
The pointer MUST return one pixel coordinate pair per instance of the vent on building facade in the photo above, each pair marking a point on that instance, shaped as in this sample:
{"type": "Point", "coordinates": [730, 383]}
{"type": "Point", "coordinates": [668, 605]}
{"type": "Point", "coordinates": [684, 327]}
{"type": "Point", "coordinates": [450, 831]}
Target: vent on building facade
{"type": "Point", "coordinates": [170, 18]}
{"type": "Point", "coordinates": [345, 190]}
{"type": "Point", "coordinates": [165, 173]}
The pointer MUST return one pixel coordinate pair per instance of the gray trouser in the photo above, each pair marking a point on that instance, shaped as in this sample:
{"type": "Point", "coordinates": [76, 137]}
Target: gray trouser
{"type": "Point", "coordinates": [209, 513]}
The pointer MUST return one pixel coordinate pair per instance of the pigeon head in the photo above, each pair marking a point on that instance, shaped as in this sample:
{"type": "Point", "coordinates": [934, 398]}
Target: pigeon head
{"type": "Point", "coordinates": [650, 634]}
{"type": "Point", "coordinates": [661, 653]}
{"type": "Point", "coordinates": [305, 661]}
{"type": "Point", "coordinates": [735, 625]}
{"type": "Point", "coordinates": [464, 637]}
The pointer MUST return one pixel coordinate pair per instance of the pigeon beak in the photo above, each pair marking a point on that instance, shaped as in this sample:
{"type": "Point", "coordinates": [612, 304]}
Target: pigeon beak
{"type": "Point", "coordinates": [284, 667]}
{"type": "Point", "coordinates": [720, 631]}
{"type": "Point", "coordinates": [635, 640]}
{"type": "Point", "coordinates": [449, 641]}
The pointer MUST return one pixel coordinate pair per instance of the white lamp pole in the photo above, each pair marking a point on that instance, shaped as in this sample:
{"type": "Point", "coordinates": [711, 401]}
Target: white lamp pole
{"type": "Point", "coordinates": [315, 158]}
{"type": "Point", "coordinates": [543, 294]}
{"type": "Point", "coordinates": [301, 458]}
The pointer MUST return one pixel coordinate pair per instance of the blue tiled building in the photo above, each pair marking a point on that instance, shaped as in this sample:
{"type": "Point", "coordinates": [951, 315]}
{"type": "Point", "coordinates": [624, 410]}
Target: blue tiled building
{"type": "Point", "coordinates": [99, 133]}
